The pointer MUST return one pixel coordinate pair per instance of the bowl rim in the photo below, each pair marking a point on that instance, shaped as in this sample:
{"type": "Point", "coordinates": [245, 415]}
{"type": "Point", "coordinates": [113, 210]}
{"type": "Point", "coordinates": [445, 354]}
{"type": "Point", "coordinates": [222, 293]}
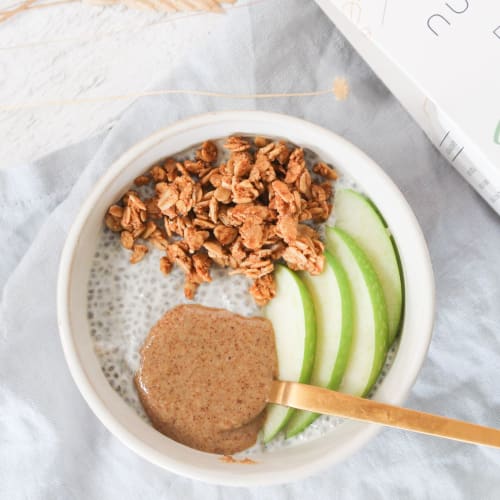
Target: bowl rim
{"type": "Point", "coordinates": [364, 432]}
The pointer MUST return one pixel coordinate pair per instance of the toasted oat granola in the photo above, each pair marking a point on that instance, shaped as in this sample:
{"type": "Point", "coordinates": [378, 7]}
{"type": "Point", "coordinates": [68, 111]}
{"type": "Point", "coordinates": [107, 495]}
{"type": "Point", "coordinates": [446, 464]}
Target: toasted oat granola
{"type": "Point", "coordinates": [246, 213]}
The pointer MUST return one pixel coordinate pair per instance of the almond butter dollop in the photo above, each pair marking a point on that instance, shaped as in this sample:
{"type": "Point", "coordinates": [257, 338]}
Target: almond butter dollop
{"type": "Point", "coordinates": [205, 375]}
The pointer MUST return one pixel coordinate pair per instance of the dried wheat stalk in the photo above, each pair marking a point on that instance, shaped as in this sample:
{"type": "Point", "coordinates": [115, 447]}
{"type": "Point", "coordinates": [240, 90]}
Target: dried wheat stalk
{"type": "Point", "coordinates": [156, 5]}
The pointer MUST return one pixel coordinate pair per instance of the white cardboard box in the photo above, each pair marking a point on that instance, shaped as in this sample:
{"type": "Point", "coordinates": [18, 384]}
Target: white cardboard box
{"type": "Point", "coordinates": [441, 59]}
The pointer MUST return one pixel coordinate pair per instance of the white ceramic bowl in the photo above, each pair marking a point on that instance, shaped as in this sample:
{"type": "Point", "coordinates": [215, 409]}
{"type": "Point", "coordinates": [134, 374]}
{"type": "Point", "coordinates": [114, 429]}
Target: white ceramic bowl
{"type": "Point", "coordinates": [286, 464]}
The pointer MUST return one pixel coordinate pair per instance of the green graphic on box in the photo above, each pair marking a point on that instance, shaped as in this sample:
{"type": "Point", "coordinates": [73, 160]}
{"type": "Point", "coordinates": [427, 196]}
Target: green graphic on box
{"type": "Point", "coordinates": [496, 137]}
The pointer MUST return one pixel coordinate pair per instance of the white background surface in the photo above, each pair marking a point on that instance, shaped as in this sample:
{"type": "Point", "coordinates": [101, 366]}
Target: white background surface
{"type": "Point", "coordinates": [147, 46]}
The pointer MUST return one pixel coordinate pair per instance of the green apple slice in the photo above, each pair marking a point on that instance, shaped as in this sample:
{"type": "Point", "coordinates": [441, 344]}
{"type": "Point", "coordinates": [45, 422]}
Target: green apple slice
{"type": "Point", "coordinates": [370, 332]}
{"type": "Point", "coordinates": [292, 314]}
{"type": "Point", "coordinates": [356, 215]}
{"type": "Point", "coordinates": [331, 295]}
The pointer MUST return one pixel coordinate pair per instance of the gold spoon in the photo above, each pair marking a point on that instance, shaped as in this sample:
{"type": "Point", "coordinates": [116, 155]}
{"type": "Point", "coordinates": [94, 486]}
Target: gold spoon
{"type": "Point", "coordinates": [319, 400]}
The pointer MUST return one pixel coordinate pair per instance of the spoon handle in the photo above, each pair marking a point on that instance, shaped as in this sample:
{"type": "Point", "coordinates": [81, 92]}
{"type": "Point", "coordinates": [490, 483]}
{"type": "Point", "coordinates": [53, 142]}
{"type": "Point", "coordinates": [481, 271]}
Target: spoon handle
{"type": "Point", "coordinates": [319, 400]}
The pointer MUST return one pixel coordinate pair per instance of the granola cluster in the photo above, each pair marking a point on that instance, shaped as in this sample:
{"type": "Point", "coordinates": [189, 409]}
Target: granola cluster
{"type": "Point", "coordinates": [244, 214]}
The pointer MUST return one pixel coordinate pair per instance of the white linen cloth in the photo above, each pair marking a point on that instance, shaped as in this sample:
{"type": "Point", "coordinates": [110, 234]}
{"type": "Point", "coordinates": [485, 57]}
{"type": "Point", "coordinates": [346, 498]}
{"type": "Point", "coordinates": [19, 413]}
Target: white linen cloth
{"type": "Point", "coordinates": [52, 446]}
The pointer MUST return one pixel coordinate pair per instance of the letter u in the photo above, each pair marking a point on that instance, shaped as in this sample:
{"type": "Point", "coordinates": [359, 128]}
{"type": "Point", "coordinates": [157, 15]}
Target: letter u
{"type": "Point", "coordinates": [458, 11]}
